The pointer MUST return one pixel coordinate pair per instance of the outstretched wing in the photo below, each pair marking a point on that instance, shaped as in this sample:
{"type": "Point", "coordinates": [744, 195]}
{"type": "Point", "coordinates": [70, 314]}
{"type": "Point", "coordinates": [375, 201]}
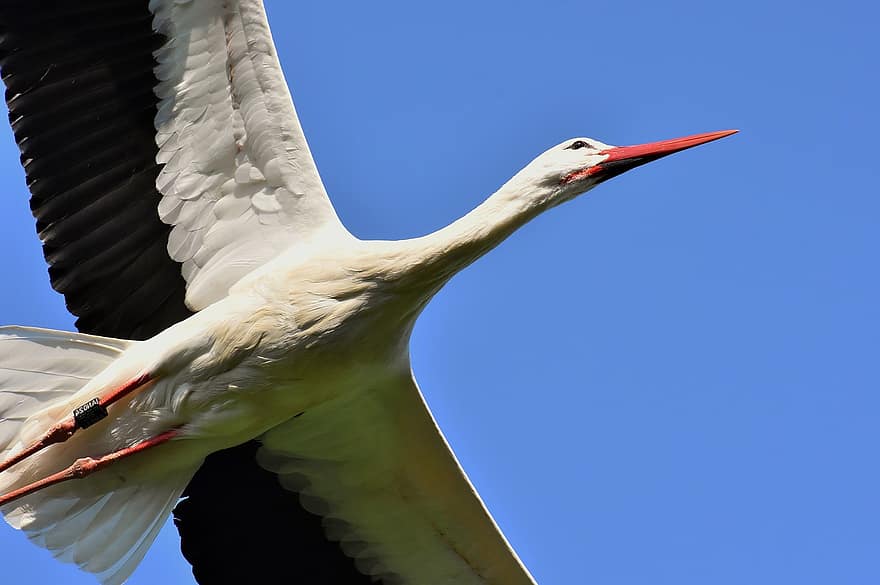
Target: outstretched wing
{"type": "Point", "coordinates": [128, 111]}
{"type": "Point", "coordinates": [376, 467]}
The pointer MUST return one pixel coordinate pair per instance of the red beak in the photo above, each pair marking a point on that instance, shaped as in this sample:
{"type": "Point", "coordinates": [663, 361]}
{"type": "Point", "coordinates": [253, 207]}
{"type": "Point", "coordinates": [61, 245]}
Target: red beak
{"type": "Point", "coordinates": [623, 158]}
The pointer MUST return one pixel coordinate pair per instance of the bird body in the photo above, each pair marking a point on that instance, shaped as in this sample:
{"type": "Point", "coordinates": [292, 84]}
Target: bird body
{"type": "Point", "coordinates": [275, 323]}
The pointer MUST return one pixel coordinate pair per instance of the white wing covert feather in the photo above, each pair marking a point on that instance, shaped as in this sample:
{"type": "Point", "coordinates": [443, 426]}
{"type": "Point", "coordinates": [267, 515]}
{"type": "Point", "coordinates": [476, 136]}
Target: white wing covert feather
{"type": "Point", "coordinates": [375, 465]}
{"type": "Point", "coordinates": [239, 184]}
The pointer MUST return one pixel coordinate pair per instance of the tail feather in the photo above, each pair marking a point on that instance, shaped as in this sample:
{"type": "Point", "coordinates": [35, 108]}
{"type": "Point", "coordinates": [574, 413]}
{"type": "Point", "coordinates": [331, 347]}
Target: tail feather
{"type": "Point", "coordinates": [128, 560]}
{"type": "Point", "coordinates": [107, 535]}
{"type": "Point", "coordinates": [104, 525]}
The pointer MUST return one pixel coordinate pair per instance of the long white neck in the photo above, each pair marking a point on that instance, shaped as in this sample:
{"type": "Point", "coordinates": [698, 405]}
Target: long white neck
{"type": "Point", "coordinates": [440, 255]}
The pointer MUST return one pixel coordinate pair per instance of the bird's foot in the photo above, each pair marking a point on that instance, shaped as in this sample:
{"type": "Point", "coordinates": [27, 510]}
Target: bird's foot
{"type": "Point", "coordinates": [86, 466]}
{"type": "Point", "coordinates": [82, 417]}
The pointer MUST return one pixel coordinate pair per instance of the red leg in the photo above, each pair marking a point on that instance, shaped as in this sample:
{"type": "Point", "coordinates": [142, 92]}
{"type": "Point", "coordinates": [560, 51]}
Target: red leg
{"type": "Point", "coordinates": [57, 434]}
{"type": "Point", "coordinates": [65, 429]}
{"type": "Point", "coordinates": [86, 466]}
{"type": "Point", "coordinates": [126, 389]}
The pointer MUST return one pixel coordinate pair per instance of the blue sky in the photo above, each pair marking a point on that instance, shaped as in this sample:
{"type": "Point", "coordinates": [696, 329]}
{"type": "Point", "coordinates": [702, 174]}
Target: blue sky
{"type": "Point", "coordinates": [673, 380]}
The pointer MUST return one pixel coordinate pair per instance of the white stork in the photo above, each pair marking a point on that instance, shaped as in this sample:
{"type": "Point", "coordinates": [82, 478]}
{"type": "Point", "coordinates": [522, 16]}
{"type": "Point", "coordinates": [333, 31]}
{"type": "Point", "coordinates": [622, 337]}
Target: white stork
{"type": "Point", "coordinates": [236, 342]}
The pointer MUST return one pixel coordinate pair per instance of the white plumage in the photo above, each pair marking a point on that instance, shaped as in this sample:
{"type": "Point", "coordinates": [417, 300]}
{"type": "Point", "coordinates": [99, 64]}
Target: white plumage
{"type": "Point", "coordinates": [300, 337]}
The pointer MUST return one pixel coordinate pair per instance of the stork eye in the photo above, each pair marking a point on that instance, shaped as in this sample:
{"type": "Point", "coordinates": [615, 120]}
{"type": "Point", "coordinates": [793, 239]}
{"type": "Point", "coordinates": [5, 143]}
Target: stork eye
{"type": "Point", "coordinates": [578, 144]}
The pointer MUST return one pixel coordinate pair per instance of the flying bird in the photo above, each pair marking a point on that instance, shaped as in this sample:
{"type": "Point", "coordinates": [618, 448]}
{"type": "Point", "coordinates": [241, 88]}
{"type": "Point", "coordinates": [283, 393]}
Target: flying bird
{"type": "Point", "coordinates": [236, 343]}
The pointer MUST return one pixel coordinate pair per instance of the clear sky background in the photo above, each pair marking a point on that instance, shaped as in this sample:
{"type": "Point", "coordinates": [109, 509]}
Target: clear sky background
{"type": "Point", "coordinates": [673, 380]}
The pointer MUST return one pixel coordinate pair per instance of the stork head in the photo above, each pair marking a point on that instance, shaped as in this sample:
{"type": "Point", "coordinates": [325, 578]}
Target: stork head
{"type": "Point", "coordinates": [579, 164]}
